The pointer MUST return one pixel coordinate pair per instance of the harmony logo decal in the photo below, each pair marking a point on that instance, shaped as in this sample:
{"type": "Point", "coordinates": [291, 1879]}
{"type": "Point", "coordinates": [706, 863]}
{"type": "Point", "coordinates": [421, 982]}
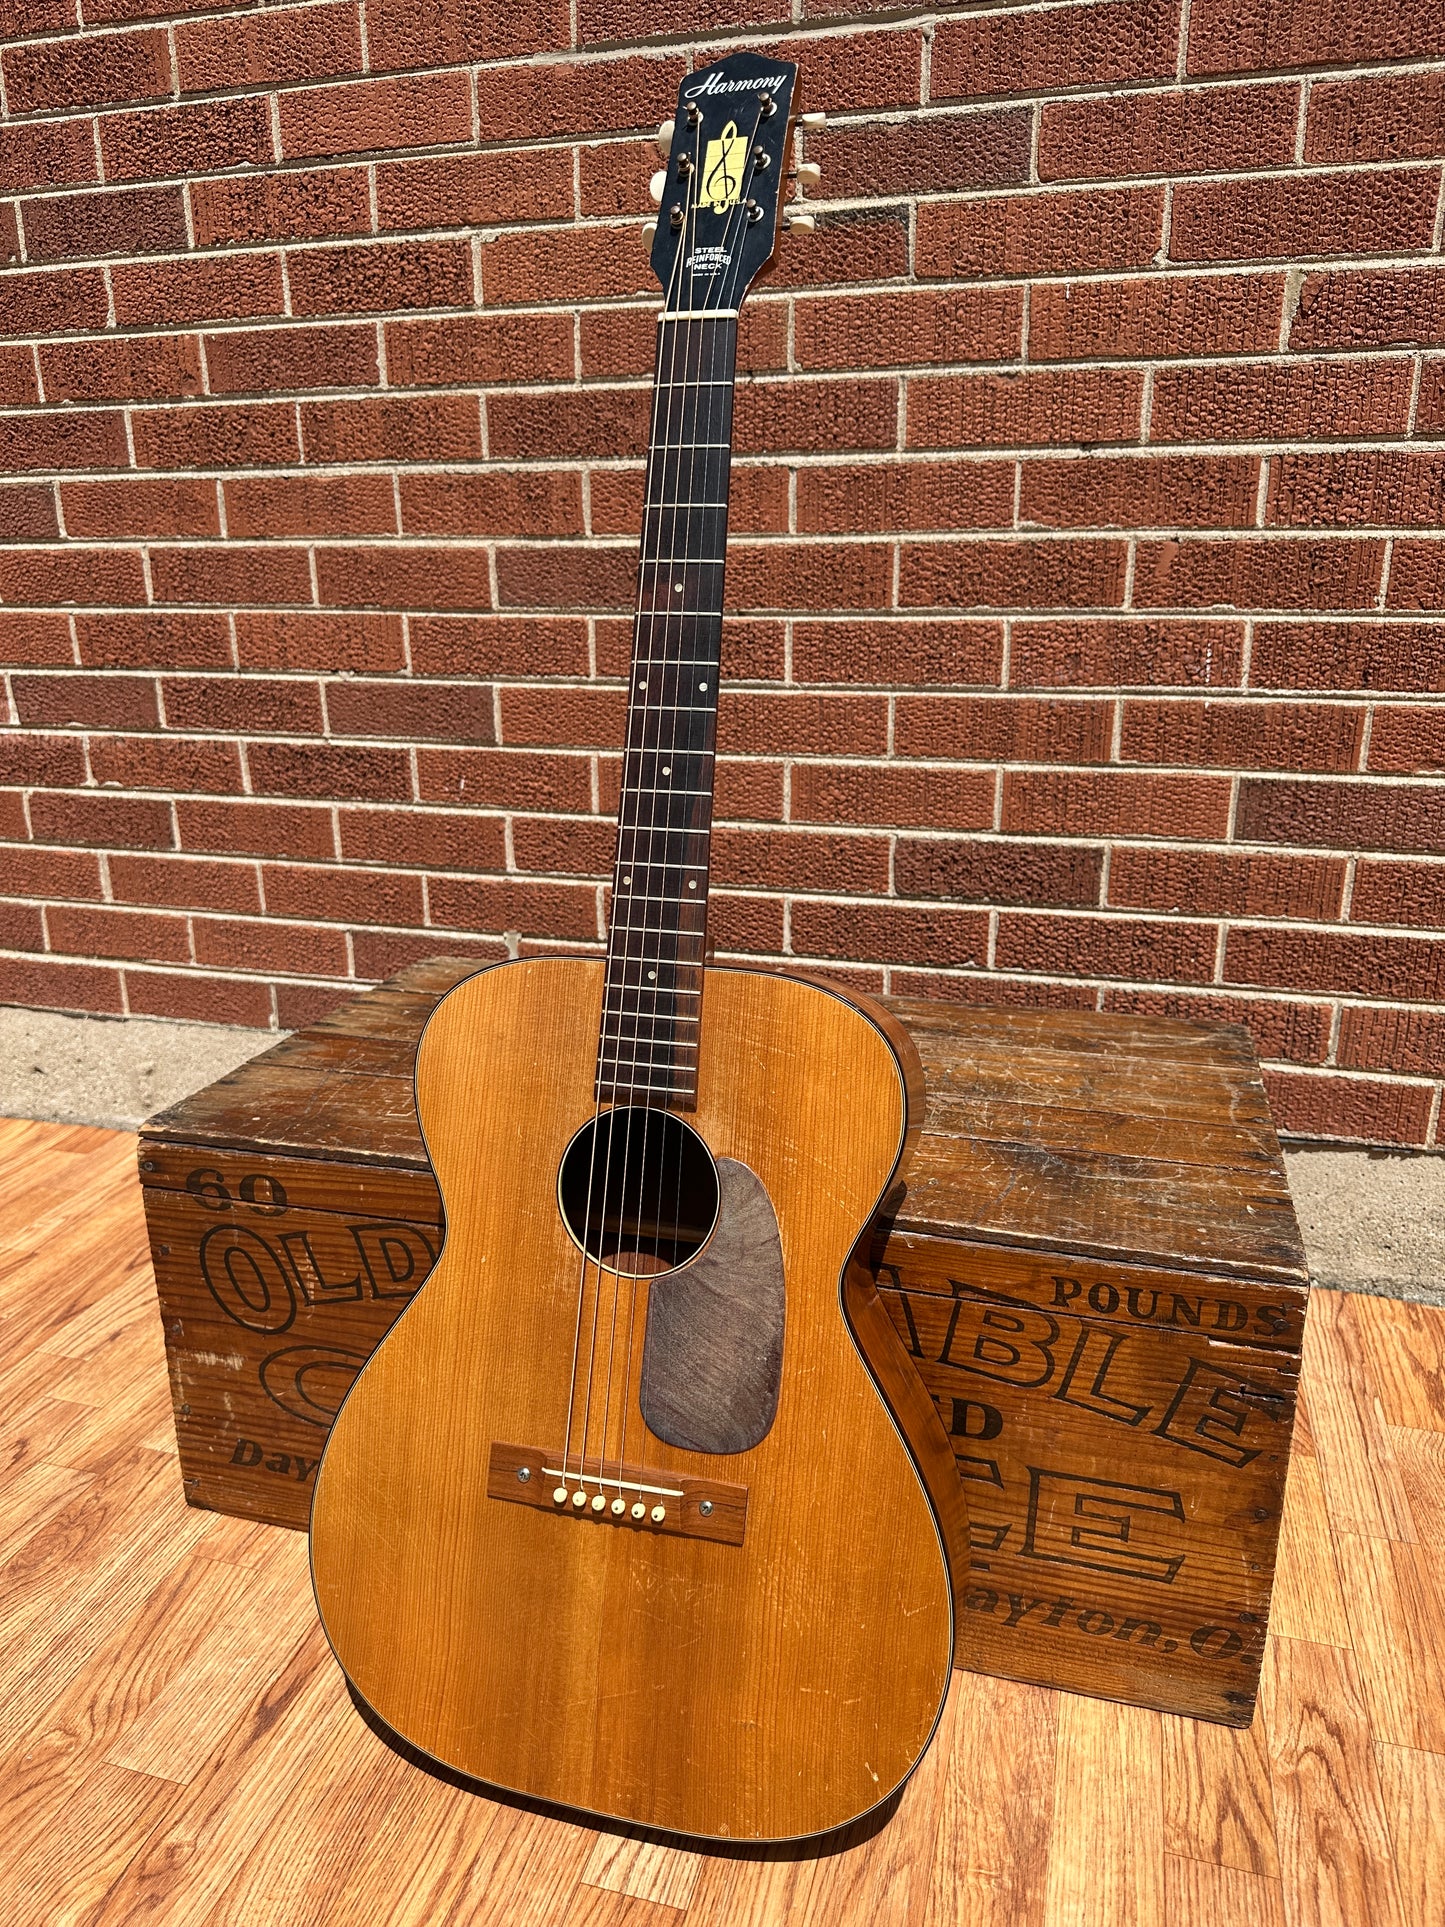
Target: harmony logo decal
{"type": "Point", "coordinates": [714, 83]}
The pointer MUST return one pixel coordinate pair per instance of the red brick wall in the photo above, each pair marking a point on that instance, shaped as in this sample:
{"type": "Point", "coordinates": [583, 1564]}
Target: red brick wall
{"type": "Point", "coordinates": [1089, 581]}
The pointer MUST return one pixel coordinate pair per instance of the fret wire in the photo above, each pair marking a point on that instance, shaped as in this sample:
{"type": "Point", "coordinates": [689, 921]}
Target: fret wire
{"type": "Point", "coordinates": [679, 1043]}
{"type": "Point", "coordinates": [669, 1045]}
{"type": "Point", "coordinates": [674, 990]}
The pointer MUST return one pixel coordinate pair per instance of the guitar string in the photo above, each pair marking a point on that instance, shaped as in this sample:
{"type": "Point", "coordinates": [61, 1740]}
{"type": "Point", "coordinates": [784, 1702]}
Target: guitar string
{"type": "Point", "coordinates": [679, 495]}
{"type": "Point", "coordinates": [682, 343]}
{"type": "Point", "coordinates": [633, 1083]}
{"type": "Point", "coordinates": [705, 384]}
{"type": "Point", "coordinates": [662, 432]}
{"type": "Point", "coordinates": [592, 1158]}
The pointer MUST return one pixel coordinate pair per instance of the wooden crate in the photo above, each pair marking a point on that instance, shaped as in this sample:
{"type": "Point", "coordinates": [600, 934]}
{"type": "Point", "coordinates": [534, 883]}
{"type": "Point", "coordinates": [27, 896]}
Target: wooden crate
{"type": "Point", "coordinates": [1096, 1266]}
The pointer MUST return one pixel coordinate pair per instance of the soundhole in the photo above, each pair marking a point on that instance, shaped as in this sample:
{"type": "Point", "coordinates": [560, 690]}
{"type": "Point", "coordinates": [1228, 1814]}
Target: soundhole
{"type": "Point", "coordinates": [638, 1190]}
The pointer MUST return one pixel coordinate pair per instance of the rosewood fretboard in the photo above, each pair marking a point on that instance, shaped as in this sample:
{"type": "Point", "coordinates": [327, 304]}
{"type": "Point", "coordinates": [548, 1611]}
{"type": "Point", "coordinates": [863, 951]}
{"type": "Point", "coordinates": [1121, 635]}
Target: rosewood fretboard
{"type": "Point", "coordinates": [652, 1001]}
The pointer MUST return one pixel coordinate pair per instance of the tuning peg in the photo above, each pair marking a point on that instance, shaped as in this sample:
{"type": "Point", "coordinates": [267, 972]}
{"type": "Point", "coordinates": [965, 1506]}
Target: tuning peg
{"type": "Point", "coordinates": [801, 224]}
{"type": "Point", "coordinates": [657, 186]}
{"type": "Point", "coordinates": [648, 232]}
{"type": "Point", "coordinates": [664, 138]}
{"type": "Point", "coordinates": [813, 123]}
{"type": "Point", "coordinates": [809, 174]}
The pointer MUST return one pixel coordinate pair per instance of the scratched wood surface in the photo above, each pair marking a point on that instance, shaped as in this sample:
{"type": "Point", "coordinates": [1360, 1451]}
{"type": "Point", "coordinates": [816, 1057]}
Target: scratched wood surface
{"type": "Point", "coordinates": [176, 1744]}
{"type": "Point", "coordinates": [1094, 1265]}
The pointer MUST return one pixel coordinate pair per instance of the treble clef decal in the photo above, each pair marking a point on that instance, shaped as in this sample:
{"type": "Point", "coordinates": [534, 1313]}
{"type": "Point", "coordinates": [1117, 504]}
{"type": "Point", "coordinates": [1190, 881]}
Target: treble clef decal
{"type": "Point", "coordinates": [722, 169]}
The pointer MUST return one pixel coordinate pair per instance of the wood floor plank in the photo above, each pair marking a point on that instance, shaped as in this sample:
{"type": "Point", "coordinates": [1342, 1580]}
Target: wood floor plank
{"type": "Point", "coordinates": [47, 1182]}
{"type": "Point", "coordinates": [186, 1866]}
{"type": "Point", "coordinates": [1420, 1458]}
{"type": "Point", "coordinates": [238, 1542]}
{"type": "Point", "coordinates": [1413, 1786]}
{"type": "Point", "coordinates": [774, 1887]}
{"type": "Point", "coordinates": [991, 1855]}
{"type": "Point", "coordinates": [92, 1234]}
{"type": "Point", "coordinates": [118, 1425]}
{"type": "Point", "coordinates": [96, 1525]}
{"type": "Point", "coordinates": [1395, 1597]}
{"type": "Point", "coordinates": [49, 1286]}
{"type": "Point", "coordinates": [417, 1854]}
{"type": "Point", "coordinates": [526, 1872]}
{"type": "Point", "coordinates": [268, 1613]}
{"type": "Point", "coordinates": [629, 1863]}
{"type": "Point", "coordinates": [33, 1496]}
{"type": "Point", "coordinates": [131, 1304]}
{"type": "Point", "coordinates": [26, 1373]}
{"type": "Point", "coordinates": [301, 1861]}
{"type": "Point", "coordinates": [897, 1868]}
{"type": "Point", "coordinates": [132, 1353]}
{"type": "Point", "coordinates": [1402, 1346]}
{"type": "Point", "coordinates": [1335, 1853]}
{"type": "Point", "coordinates": [91, 1838]}
{"type": "Point", "coordinates": [597, 1907]}
{"type": "Point", "coordinates": [1200, 1895]}
{"type": "Point", "coordinates": [1302, 1438]}
{"type": "Point", "coordinates": [38, 1434]}
{"type": "Point", "coordinates": [70, 1737]}
{"type": "Point", "coordinates": [1218, 1807]}
{"type": "Point", "coordinates": [1306, 1602]}
{"type": "Point", "coordinates": [1109, 1764]}
{"type": "Point", "coordinates": [1362, 1486]}
{"type": "Point", "coordinates": [34, 1679]}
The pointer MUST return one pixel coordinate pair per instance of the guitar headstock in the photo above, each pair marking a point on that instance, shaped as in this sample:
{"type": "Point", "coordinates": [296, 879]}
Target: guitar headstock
{"type": "Point", "coordinates": [724, 182]}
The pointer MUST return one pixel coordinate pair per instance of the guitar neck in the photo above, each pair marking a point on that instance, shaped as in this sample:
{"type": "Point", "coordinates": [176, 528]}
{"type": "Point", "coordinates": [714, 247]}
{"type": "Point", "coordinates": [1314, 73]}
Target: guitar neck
{"type": "Point", "coordinates": [657, 941]}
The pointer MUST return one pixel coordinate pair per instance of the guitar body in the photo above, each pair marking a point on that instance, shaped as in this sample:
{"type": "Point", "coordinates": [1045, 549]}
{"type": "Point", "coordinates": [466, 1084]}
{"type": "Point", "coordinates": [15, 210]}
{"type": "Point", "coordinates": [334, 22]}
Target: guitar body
{"type": "Point", "coordinates": [761, 1690]}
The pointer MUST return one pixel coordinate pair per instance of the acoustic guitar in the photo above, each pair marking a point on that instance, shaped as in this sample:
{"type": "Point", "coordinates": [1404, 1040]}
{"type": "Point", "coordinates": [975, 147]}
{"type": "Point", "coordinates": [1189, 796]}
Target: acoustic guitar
{"type": "Point", "coordinates": [640, 1507]}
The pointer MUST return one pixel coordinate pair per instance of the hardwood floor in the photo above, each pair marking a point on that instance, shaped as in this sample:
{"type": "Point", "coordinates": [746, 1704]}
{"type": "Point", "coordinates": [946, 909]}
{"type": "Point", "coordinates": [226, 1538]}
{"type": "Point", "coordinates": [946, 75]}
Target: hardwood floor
{"type": "Point", "coordinates": [177, 1746]}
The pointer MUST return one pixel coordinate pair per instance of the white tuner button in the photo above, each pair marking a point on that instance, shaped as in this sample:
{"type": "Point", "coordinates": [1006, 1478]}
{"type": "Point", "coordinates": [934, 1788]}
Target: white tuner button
{"type": "Point", "coordinates": [664, 137]}
{"type": "Point", "coordinates": [659, 1513]}
{"type": "Point", "coordinates": [648, 233]}
{"type": "Point", "coordinates": [559, 1495]}
{"type": "Point", "coordinates": [813, 123]}
{"type": "Point", "coordinates": [579, 1499]}
{"type": "Point", "coordinates": [599, 1504]}
{"type": "Point", "coordinates": [657, 186]}
{"type": "Point", "coordinates": [639, 1511]}
{"type": "Point", "coordinates": [801, 223]}
{"type": "Point", "coordinates": [810, 174]}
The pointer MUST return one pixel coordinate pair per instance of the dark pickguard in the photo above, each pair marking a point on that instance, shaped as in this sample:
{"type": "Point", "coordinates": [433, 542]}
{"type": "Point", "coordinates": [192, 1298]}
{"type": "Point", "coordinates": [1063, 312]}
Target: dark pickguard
{"type": "Point", "coordinates": [713, 1359]}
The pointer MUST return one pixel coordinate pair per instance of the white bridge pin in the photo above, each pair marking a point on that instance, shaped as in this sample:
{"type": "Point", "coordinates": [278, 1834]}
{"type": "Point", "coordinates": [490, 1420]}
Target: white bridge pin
{"type": "Point", "coordinates": [579, 1499]}
{"type": "Point", "coordinates": [559, 1495]}
{"type": "Point", "coordinates": [619, 1506]}
{"type": "Point", "coordinates": [659, 1513]}
{"type": "Point", "coordinates": [599, 1504]}
{"type": "Point", "coordinates": [639, 1510]}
